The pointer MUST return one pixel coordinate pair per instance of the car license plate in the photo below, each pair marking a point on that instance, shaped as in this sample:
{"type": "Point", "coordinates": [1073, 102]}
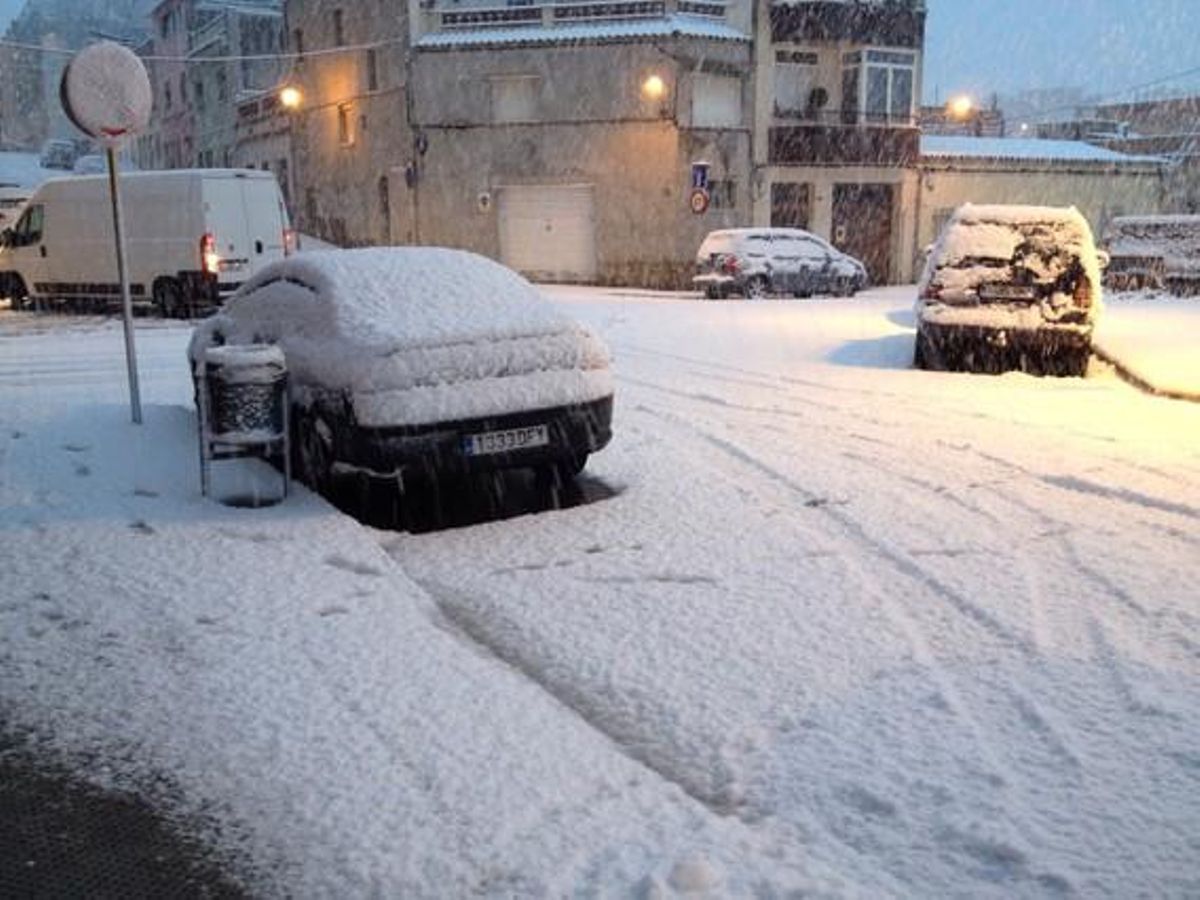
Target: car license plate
{"type": "Point", "coordinates": [506, 441]}
{"type": "Point", "coordinates": [1007, 292]}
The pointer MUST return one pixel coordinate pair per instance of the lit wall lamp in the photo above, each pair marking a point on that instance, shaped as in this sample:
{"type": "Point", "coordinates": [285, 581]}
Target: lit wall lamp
{"type": "Point", "coordinates": [291, 98]}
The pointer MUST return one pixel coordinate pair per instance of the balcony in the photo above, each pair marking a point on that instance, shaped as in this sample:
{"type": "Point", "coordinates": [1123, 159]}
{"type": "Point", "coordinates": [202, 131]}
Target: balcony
{"type": "Point", "coordinates": [885, 23]}
{"type": "Point", "coordinates": [814, 144]}
{"type": "Point", "coordinates": [451, 14]}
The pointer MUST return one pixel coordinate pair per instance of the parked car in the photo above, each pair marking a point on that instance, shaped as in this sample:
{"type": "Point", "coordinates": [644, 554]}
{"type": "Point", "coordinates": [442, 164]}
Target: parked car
{"type": "Point", "coordinates": [757, 262]}
{"type": "Point", "coordinates": [1153, 252]}
{"type": "Point", "coordinates": [97, 164]}
{"type": "Point", "coordinates": [13, 198]}
{"type": "Point", "coordinates": [58, 154]}
{"type": "Point", "coordinates": [193, 236]}
{"type": "Point", "coordinates": [1010, 288]}
{"type": "Point", "coordinates": [411, 363]}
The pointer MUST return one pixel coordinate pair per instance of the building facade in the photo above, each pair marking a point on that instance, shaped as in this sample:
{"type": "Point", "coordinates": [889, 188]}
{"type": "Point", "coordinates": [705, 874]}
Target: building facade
{"type": "Point", "coordinates": [836, 137]}
{"type": "Point", "coordinates": [1100, 183]}
{"type": "Point", "coordinates": [350, 132]}
{"type": "Point", "coordinates": [561, 138]}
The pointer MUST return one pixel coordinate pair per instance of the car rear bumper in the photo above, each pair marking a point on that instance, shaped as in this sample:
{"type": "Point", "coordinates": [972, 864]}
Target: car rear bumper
{"type": "Point", "coordinates": [1051, 350]}
{"type": "Point", "coordinates": [574, 431]}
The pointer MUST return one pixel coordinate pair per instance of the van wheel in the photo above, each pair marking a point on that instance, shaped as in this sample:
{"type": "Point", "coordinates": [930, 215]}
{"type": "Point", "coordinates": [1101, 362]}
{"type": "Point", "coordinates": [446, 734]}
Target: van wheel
{"type": "Point", "coordinates": [14, 287]}
{"type": "Point", "coordinates": [757, 288]}
{"type": "Point", "coordinates": [168, 298]}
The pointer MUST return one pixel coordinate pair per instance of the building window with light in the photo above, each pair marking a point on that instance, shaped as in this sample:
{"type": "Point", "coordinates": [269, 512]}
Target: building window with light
{"type": "Point", "coordinates": [878, 87]}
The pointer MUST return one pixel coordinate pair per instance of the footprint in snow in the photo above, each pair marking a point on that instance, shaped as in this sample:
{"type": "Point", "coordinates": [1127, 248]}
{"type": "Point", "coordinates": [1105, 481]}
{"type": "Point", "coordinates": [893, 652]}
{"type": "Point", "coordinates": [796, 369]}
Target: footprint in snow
{"type": "Point", "coordinates": [82, 471]}
{"type": "Point", "coordinates": [142, 527]}
{"type": "Point", "coordinates": [327, 611]}
{"type": "Point", "coordinates": [17, 435]}
{"type": "Point", "coordinates": [144, 492]}
{"type": "Point", "coordinates": [338, 561]}
{"type": "Point", "coordinates": [77, 448]}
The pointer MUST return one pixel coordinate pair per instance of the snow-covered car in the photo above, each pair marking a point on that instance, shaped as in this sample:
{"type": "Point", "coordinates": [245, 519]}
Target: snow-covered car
{"type": "Point", "coordinates": [421, 362]}
{"type": "Point", "coordinates": [58, 154]}
{"type": "Point", "coordinates": [1153, 252]}
{"type": "Point", "coordinates": [1010, 288]}
{"type": "Point", "coordinates": [757, 262]}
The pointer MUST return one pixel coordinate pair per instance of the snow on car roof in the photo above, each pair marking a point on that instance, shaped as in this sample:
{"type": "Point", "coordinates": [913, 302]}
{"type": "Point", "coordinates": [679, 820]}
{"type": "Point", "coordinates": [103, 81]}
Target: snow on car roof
{"type": "Point", "coordinates": [676, 25]}
{"type": "Point", "coordinates": [938, 145]}
{"type": "Point", "coordinates": [398, 297]}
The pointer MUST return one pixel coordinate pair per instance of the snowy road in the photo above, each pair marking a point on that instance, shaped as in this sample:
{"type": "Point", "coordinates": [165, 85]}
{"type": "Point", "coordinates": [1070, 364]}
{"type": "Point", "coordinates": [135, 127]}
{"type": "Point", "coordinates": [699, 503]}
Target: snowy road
{"type": "Point", "coordinates": [841, 626]}
{"type": "Point", "coordinates": [940, 630]}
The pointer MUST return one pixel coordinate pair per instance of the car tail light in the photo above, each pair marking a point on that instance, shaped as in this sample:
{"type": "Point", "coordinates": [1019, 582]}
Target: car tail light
{"type": "Point", "coordinates": [289, 241]}
{"type": "Point", "coordinates": [730, 265]}
{"type": "Point", "coordinates": [210, 260]}
{"type": "Point", "coordinates": [1083, 294]}
{"type": "Point", "coordinates": [932, 292]}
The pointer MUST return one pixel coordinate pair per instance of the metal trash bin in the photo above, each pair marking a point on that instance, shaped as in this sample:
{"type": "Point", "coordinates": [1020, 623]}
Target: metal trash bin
{"type": "Point", "coordinates": [242, 400]}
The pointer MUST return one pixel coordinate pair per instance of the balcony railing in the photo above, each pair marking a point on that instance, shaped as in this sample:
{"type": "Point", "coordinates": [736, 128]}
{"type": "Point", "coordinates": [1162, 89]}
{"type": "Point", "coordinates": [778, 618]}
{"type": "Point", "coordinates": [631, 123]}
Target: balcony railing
{"type": "Point", "coordinates": [887, 146]}
{"type": "Point", "coordinates": [498, 13]}
{"type": "Point", "coordinates": [895, 23]}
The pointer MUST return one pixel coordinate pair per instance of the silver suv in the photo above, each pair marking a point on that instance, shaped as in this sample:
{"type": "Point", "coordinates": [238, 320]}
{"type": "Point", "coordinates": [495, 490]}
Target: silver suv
{"type": "Point", "coordinates": [758, 262]}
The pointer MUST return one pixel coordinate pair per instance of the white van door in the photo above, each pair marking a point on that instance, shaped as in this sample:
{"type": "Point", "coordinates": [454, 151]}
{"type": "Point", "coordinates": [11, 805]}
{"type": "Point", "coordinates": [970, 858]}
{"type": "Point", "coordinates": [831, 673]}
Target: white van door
{"type": "Point", "coordinates": [26, 253]}
{"type": "Point", "coordinates": [245, 216]}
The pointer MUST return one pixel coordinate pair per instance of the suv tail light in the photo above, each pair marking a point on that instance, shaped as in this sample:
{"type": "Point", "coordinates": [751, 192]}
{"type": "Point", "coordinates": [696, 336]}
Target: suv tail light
{"type": "Point", "coordinates": [289, 241]}
{"type": "Point", "coordinates": [210, 260]}
{"type": "Point", "coordinates": [730, 265]}
{"type": "Point", "coordinates": [1083, 293]}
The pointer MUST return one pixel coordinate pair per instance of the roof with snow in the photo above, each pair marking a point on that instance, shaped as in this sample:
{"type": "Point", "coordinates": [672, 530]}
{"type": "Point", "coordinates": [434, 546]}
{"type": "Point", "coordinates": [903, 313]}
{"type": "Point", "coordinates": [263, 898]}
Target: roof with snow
{"type": "Point", "coordinates": [675, 25]}
{"type": "Point", "coordinates": [1025, 149]}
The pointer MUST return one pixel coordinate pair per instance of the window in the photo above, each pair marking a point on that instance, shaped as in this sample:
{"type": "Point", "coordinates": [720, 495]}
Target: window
{"type": "Point", "coordinates": [345, 126]}
{"type": "Point", "coordinates": [514, 98]}
{"type": "Point", "coordinates": [183, 90]}
{"type": "Point", "coordinates": [723, 194]}
{"type": "Point", "coordinates": [372, 66]}
{"type": "Point", "coordinates": [716, 101]}
{"type": "Point", "coordinates": [29, 228]}
{"type": "Point", "coordinates": [166, 95]}
{"type": "Point", "coordinates": [222, 85]}
{"type": "Point", "coordinates": [789, 205]}
{"type": "Point", "coordinates": [795, 83]}
{"type": "Point", "coordinates": [877, 86]}
{"type": "Point", "coordinates": [198, 94]}
{"type": "Point", "coordinates": [339, 29]}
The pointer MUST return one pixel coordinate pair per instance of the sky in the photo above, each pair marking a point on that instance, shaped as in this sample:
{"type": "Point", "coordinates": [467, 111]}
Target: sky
{"type": "Point", "coordinates": [983, 47]}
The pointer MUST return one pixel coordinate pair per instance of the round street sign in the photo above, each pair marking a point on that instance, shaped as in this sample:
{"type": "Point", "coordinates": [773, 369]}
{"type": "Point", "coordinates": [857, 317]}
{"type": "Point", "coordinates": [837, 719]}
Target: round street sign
{"type": "Point", "coordinates": [699, 201]}
{"type": "Point", "coordinates": [106, 92]}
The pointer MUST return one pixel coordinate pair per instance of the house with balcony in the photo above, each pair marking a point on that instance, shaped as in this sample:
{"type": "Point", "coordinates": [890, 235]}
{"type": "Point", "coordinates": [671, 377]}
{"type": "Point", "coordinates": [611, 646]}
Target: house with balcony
{"type": "Point", "coordinates": [836, 149]}
{"type": "Point", "coordinates": [560, 136]}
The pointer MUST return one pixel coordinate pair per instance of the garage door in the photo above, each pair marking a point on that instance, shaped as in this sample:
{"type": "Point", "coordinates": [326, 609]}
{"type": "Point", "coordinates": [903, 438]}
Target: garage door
{"type": "Point", "coordinates": [549, 231]}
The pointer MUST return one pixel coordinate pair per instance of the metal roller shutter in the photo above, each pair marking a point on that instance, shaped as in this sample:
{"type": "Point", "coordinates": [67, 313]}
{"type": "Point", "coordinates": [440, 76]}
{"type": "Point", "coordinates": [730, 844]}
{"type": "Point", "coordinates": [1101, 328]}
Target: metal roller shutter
{"type": "Point", "coordinates": [548, 232]}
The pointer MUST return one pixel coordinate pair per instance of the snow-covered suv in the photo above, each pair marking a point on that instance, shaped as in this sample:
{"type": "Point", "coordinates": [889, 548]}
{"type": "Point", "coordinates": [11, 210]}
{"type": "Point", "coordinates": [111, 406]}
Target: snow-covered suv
{"type": "Point", "coordinates": [1010, 288]}
{"type": "Point", "coordinates": [756, 262]}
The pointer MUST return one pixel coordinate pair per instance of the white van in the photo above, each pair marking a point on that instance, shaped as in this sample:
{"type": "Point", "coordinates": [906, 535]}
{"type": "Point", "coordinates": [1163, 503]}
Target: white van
{"type": "Point", "coordinates": [193, 236]}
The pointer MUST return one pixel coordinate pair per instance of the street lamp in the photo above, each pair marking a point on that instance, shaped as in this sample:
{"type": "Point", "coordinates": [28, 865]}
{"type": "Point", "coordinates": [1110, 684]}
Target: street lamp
{"type": "Point", "coordinates": [291, 98]}
{"type": "Point", "coordinates": [654, 88]}
{"type": "Point", "coordinates": [961, 107]}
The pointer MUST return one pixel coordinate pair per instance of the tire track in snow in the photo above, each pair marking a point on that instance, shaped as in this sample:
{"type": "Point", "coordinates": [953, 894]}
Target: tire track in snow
{"type": "Point", "coordinates": [456, 607]}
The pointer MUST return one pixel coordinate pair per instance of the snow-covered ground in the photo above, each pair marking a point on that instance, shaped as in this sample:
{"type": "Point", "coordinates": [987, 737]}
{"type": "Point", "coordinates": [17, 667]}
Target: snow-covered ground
{"type": "Point", "coordinates": [843, 627]}
{"type": "Point", "coordinates": [1156, 337]}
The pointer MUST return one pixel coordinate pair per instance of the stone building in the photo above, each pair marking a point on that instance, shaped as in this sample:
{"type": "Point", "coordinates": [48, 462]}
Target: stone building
{"type": "Point", "coordinates": [350, 133]}
{"type": "Point", "coordinates": [561, 138]}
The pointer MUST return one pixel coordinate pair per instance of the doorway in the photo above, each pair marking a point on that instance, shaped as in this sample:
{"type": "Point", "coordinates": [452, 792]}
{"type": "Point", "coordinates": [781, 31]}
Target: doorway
{"type": "Point", "coordinates": [862, 225]}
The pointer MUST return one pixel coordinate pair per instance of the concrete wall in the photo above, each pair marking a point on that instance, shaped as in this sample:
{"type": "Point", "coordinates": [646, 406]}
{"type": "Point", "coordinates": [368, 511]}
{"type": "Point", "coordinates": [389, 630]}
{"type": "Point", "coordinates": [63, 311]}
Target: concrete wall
{"type": "Point", "coordinates": [1099, 193]}
{"type": "Point", "coordinates": [593, 125]}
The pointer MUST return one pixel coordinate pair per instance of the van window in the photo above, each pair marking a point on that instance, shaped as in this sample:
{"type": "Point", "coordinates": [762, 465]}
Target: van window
{"type": "Point", "coordinates": [29, 228]}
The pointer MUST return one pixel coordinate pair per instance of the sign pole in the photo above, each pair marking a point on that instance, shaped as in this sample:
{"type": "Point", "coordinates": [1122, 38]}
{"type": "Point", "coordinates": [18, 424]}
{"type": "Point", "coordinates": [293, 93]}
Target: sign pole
{"type": "Point", "coordinates": [105, 91]}
{"type": "Point", "coordinates": [114, 187]}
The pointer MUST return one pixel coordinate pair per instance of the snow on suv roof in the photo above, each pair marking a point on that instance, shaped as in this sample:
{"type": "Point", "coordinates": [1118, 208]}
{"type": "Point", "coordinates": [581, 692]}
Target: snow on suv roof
{"type": "Point", "coordinates": [393, 298]}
